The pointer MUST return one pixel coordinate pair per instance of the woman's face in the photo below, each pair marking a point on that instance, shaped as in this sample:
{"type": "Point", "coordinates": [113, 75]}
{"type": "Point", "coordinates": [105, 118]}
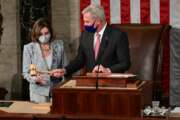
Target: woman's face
{"type": "Point", "coordinates": [45, 35]}
{"type": "Point", "coordinates": [44, 31]}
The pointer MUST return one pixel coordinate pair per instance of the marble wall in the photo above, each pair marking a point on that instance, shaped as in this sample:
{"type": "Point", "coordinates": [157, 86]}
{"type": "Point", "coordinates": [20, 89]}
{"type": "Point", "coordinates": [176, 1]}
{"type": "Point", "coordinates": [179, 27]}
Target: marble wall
{"type": "Point", "coordinates": [10, 54]}
{"type": "Point", "coordinates": [66, 23]}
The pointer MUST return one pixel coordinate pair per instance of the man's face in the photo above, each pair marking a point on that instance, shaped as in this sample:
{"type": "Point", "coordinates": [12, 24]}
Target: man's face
{"type": "Point", "coordinates": [88, 19]}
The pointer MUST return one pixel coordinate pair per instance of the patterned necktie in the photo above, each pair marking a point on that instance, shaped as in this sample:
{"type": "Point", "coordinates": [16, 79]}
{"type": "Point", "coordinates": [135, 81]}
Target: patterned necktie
{"type": "Point", "coordinates": [97, 45]}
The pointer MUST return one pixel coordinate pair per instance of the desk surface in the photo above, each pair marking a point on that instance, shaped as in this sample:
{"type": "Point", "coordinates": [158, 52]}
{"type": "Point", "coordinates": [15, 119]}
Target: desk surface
{"type": "Point", "coordinates": [27, 107]}
{"type": "Point", "coordinates": [72, 84]}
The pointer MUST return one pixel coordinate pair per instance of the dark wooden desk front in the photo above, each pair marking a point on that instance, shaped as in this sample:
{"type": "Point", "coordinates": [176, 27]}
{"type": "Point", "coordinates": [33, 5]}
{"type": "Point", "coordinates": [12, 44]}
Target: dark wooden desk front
{"type": "Point", "coordinates": [116, 118]}
{"type": "Point", "coordinates": [104, 101]}
{"type": "Point", "coordinates": [18, 116]}
{"type": "Point", "coordinates": [30, 116]}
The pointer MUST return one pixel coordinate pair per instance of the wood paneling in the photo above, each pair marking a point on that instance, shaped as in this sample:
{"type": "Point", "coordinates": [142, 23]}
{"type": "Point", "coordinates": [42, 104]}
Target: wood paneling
{"type": "Point", "coordinates": [101, 102]}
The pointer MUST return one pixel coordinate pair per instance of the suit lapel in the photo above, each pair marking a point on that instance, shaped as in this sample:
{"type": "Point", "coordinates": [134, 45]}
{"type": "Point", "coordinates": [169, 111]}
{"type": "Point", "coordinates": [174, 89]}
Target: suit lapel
{"type": "Point", "coordinates": [104, 43]}
{"type": "Point", "coordinates": [91, 46]}
{"type": "Point", "coordinates": [54, 57]}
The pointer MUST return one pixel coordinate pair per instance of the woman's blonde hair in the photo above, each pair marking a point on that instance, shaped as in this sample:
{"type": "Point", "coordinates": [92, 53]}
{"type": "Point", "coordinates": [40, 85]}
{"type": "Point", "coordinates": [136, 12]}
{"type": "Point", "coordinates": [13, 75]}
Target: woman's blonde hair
{"type": "Point", "coordinates": [36, 30]}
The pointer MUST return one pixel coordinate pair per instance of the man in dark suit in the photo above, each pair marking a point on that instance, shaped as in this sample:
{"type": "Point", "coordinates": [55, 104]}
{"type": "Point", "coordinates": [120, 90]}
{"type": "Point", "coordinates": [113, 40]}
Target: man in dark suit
{"type": "Point", "coordinates": [102, 48]}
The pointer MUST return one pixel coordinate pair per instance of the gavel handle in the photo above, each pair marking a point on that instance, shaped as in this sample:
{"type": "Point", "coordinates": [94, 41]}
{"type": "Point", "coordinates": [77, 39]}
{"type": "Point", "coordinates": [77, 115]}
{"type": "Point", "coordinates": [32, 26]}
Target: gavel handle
{"type": "Point", "coordinates": [45, 72]}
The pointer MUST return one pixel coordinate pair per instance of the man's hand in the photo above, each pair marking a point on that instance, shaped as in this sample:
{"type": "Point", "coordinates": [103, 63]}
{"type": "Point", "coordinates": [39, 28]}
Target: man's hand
{"type": "Point", "coordinates": [101, 68]}
{"type": "Point", "coordinates": [40, 81]}
{"type": "Point", "coordinates": [58, 72]}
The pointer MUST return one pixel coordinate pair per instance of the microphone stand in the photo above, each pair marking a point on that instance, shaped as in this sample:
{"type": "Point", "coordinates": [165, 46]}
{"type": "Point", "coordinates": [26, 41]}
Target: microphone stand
{"type": "Point", "coordinates": [97, 78]}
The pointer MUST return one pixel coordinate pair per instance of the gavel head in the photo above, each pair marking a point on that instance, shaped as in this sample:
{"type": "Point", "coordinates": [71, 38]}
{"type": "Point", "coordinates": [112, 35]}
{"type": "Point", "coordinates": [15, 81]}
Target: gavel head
{"type": "Point", "coordinates": [33, 70]}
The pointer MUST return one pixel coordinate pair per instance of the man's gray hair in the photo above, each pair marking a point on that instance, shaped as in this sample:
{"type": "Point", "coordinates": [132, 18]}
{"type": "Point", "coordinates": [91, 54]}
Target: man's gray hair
{"type": "Point", "coordinates": [97, 11]}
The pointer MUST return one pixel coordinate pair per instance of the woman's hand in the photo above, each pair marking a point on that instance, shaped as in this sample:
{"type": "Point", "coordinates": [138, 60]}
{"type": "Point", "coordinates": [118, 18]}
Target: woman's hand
{"type": "Point", "coordinates": [40, 80]}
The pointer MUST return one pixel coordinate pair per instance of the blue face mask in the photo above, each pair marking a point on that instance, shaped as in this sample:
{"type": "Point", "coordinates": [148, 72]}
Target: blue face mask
{"type": "Point", "coordinates": [90, 28]}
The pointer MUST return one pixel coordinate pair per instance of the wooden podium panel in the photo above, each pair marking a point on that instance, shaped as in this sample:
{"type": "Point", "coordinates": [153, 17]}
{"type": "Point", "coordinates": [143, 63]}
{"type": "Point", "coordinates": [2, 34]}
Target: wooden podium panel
{"type": "Point", "coordinates": [104, 80]}
{"type": "Point", "coordinates": [104, 101]}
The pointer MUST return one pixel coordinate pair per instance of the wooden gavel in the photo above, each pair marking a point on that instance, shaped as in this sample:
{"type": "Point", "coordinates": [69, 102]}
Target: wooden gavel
{"type": "Point", "coordinates": [34, 71]}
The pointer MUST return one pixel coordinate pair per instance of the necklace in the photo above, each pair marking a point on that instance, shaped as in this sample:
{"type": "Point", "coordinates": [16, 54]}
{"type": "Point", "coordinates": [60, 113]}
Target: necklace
{"type": "Point", "coordinates": [45, 47]}
{"type": "Point", "coordinates": [45, 54]}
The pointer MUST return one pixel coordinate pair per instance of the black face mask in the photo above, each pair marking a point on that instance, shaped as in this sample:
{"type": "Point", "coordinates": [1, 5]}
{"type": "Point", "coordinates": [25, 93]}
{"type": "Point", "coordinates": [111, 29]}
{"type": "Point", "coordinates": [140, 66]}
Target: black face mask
{"type": "Point", "coordinates": [90, 28]}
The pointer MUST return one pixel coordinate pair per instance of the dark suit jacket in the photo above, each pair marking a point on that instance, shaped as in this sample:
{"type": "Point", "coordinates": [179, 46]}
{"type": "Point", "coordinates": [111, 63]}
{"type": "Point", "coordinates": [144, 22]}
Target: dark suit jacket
{"type": "Point", "coordinates": [113, 52]}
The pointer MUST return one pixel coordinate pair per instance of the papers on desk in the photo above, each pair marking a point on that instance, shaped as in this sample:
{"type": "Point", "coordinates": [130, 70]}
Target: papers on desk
{"type": "Point", "coordinates": [122, 75]}
{"type": "Point", "coordinates": [113, 75]}
{"type": "Point", "coordinates": [175, 112]}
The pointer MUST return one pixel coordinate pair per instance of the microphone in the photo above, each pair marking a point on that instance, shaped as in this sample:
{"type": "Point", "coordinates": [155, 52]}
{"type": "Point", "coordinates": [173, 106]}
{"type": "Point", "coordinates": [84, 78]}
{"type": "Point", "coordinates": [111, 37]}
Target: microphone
{"type": "Point", "coordinates": [97, 78]}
